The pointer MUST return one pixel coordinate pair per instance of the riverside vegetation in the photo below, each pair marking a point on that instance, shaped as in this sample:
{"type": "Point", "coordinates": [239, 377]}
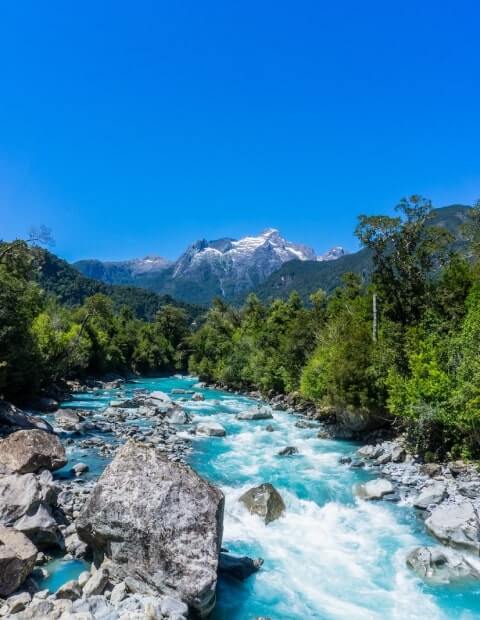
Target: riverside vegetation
{"type": "Point", "coordinates": [395, 355]}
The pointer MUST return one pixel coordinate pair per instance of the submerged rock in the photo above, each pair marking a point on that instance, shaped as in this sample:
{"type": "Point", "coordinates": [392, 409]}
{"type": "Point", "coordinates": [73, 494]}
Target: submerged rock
{"type": "Point", "coordinates": [238, 567]}
{"type": "Point", "coordinates": [288, 451]}
{"type": "Point", "coordinates": [264, 501]}
{"type": "Point", "coordinates": [17, 559]}
{"type": "Point", "coordinates": [212, 429]}
{"type": "Point", "coordinates": [456, 525]}
{"type": "Point", "coordinates": [29, 451]}
{"type": "Point", "coordinates": [159, 523]}
{"type": "Point", "coordinates": [373, 489]}
{"type": "Point", "coordinates": [436, 565]}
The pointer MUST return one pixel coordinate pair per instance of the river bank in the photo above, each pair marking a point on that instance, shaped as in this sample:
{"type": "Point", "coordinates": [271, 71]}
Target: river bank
{"type": "Point", "coordinates": [324, 533]}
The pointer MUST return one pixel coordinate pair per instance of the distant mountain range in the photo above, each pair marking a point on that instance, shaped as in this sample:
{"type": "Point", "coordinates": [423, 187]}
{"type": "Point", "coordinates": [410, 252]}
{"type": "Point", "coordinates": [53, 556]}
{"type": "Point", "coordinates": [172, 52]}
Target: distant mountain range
{"type": "Point", "coordinates": [266, 264]}
{"type": "Point", "coordinates": [227, 268]}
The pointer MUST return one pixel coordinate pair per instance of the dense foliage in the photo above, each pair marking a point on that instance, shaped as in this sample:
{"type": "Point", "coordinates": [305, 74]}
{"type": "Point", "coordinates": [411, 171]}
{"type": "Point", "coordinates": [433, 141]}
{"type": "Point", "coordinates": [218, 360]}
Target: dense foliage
{"type": "Point", "coordinates": [43, 341]}
{"type": "Point", "coordinates": [419, 362]}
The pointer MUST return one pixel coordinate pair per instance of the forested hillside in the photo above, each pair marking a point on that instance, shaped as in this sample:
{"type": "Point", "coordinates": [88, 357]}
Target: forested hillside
{"type": "Point", "coordinates": [403, 346]}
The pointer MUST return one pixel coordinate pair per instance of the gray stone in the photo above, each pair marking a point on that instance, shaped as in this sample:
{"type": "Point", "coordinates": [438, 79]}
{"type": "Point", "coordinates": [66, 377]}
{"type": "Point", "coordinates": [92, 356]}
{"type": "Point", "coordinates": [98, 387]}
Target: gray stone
{"type": "Point", "coordinates": [373, 489]}
{"type": "Point", "coordinates": [470, 489]}
{"type": "Point", "coordinates": [212, 429]}
{"type": "Point", "coordinates": [398, 454]}
{"type": "Point", "coordinates": [198, 397]}
{"type": "Point", "coordinates": [69, 591]}
{"type": "Point", "coordinates": [14, 418]}
{"type": "Point", "coordinates": [370, 452]}
{"type": "Point", "coordinates": [264, 501]}
{"type": "Point", "coordinates": [172, 607]}
{"type": "Point", "coordinates": [456, 525]}
{"type": "Point", "coordinates": [238, 567]}
{"type": "Point", "coordinates": [178, 416]}
{"type": "Point", "coordinates": [288, 451]}
{"type": "Point", "coordinates": [159, 396]}
{"type": "Point", "coordinates": [26, 452]}
{"type": "Point", "coordinates": [17, 559]}
{"type": "Point", "coordinates": [159, 523]}
{"type": "Point", "coordinates": [431, 494]}
{"type": "Point", "coordinates": [258, 414]}
{"type": "Point", "coordinates": [436, 565]}
{"type": "Point", "coordinates": [18, 602]}
{"type": "Point", "coordinates": [80, 468]}
{"type": "Point", "coordinates": [69, 420]}
{"type": "Point", "coordinates": [118, 594]}
{"type": "Point", "coordinates": [40, 526]}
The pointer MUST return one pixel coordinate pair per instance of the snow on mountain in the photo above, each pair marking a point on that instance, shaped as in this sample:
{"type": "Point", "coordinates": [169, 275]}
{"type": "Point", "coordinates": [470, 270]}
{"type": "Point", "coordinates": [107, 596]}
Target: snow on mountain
{"type": "Point", "coordinates": [333, 254]}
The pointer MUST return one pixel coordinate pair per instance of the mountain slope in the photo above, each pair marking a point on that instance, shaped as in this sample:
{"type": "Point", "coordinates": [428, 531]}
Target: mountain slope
{"type": "Point", "coordinates": [121, 272]}
{"type": "Point", "coordinates": [307, 277]}
{"type": "Point", "coordinates": [71, 288]}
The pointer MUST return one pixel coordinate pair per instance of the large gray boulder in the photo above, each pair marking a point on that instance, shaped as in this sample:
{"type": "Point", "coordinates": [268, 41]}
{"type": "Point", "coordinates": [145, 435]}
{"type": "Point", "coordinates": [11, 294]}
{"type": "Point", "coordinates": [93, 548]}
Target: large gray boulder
{"type": "Point", "coordinates": [211, 429]}
{"type": "Point", "coordinates": [160, 525]}
{"type": "Point", "coordinates": [29, 451]}
{"type": "Point", "coordinates": [13, 418]}
{"type": "Point", "coordinates": [264, 501]}
{"type": "Point", "coordinates": [436, 565]}
{"type": "Point", "coordinates": [26, 504]}
{"type": "Point", "coordinates": [456, 525]}
{"type": "Point", "coordinates": [238, 567]}
{"type": "Point", "coordinates": [259, 414]}
{"type": "Point", "coordinates": [69, 420]}
{"type": "Point", "coordinates": [374, 489]}
{"type": "Point", "coordinates": [17, 559]}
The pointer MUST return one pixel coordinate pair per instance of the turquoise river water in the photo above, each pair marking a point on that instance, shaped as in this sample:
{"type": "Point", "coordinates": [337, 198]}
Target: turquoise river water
{"type": "Point", "coordinates": [331, 556]}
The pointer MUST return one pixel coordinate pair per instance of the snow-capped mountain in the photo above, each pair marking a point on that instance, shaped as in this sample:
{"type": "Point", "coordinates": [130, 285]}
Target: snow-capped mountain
{"type": "Point", "coordinates": [333, 254]}
{"type": "Point", "coordinates": [227, 268]}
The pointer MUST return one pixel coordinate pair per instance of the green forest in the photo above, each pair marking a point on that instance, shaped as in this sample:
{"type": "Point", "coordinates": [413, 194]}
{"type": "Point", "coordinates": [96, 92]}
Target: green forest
{"type": "Point", "coordinates": [402, 345]}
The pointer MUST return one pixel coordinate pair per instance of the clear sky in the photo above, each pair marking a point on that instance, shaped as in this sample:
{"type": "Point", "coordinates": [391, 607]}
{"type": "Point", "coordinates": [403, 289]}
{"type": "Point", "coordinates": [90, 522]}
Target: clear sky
{"type": "Point", "coordinates": [138, 127]}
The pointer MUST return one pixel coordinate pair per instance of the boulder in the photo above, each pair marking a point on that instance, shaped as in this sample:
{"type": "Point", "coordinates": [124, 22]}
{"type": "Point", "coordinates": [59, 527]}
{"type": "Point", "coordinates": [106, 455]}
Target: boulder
{"type": "Point", "coordinates": [160, 525]}
{"type": "Point", "coordinates": [370, 452]}
{"type": "Point", "coordinates": [288, 451]}
{"type": "Point", "coordinates": [436, 565]}
{"type": "Point", "coordinates": [264, 501]}
{"type": "Point", "coordinates": [97, 583]}
{"type": "Point", "coordinates": [159, 396]}
{"type": "Point", "coordinates": [198, 397]}
{"type": "Point", "coordinates": [398, 454]}
{"type": "Point", "coordinates": [70, 591]}
{"type": "Point", "coordinates": [17, 560]}
{"type": "Point", "coordinates": [373, 489]}
{"type": "Point", "coordinates": [40, 526]}
{"type": "Point", "coordinates": [44, 404]}
{"type": "Point", "coordinates": [238, 567]}
{"type": "Point", "coordinates": [212, 429]}
{"type": "Point", "coordinates": [80, 468]}
{"type": "Point", "coordinates": [258, 414]}
{"type": "Point", "coordinates": [29, 451]}
{"type": "Point", "coordinates": [69, 420]}
{"type": "Point", "coordinates": [431, 494]}
{"type": "Point", "coordinates": [177, 415]}
{"type": "Point", "coordinates": [470, 489]}
{"type": "Point", "coordinates": [456, 525]}
{"type": "Point", "coordinates": [14, 418]}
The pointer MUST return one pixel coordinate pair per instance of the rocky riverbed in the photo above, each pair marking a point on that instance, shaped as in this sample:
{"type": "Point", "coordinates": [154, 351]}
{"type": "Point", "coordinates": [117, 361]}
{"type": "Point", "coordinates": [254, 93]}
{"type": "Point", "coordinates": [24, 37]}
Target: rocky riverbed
{"type": "Point", "coordinates": [289, 495]}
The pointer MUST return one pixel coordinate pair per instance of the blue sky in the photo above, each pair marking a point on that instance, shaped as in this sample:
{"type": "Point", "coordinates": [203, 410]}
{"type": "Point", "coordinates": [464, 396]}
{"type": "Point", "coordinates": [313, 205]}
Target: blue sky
{"type": "Point", "coordinates": [137, 127]}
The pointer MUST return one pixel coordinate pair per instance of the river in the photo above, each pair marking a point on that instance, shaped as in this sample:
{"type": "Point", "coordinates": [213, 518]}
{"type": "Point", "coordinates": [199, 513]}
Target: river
{"type": "Point", "coordinates": [331, 556]}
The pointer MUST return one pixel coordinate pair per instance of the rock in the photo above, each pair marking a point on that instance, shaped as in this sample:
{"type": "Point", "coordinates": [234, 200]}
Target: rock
{"type": "Point", "coordinates": [269, 428]}
{"type": "Point", "coordinates": [456, 525]}
{"type": "Point", "coordinates": [26, 452]}
{"type": "Point", "coordinates": [212, 429]}
{"type": "Point", "coordinates": [95, 608]}
{"type": "Point", "coordinates": [370, 452]}
{"type": "Point", "coordinates": [198, 397]}
{"type": "Point", "coordinates": [69, 591]}
{"type": "Point", "coordinates": [178, 416]}
{"type": "Point", "coordinates": [436, 565]}
{"type": "Point", "coordinates": [83, 578]}
{"type": "Point", "coordinates": [470, 489]}
{"type": "Point", "coordinates": [238, 567]}
{"type": "Point", "coordinates": [288, 451]}
{"type": "Point", "coordinates": [264, 501]}
{"type": "Point", "coordinates": [384, 458]}
{"type": "Point", "coordinates": [345, 460]}
{"type": "Point", "coordinates": [18, 602]}
{"type": "Point", "coordinates": [97, 583]}
{"type": "Point", "coordinates": [69, 420]}
{"type": "Point", "coordinates": [159, 523]}
{"type": "Point", "coordinates": [119, 592]}
{"type": "Point", "coordinates": [258, 414]}
{"type": "Point", "coordinates": [44, 404]}
{"type": "Point", "coordinates": [161, 397]}
{"type": "Point", "coordinates": [374, 489]}
{"type": "Point", "coordinates": [17, 559]}
{"type": "Point", "coordinates": [173, 608]}
{"type": "Point", "coordinates": [14, 418]}
{"type": "Point", "coordinates": [398, 454]}
{"type": "Point", "coordinates": [40, 526]}
{"type": "Point", "coordinates": [431, 494]}
{"type": "Point", "coordinates": [431, 469]}
{"type": "Point", "coordinates": [306, 424]}
{"type": "Point", "coordinates": [80, 468]}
